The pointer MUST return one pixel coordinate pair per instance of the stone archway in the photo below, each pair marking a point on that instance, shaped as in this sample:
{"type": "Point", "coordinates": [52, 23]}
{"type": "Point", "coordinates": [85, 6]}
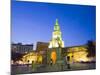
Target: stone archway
{"type": "Point", "coordinates": [53, 57]}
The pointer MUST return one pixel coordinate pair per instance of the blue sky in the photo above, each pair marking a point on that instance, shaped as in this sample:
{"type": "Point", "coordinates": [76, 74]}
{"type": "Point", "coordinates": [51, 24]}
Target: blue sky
{"type": "Point", "coordinates": [34, 21]}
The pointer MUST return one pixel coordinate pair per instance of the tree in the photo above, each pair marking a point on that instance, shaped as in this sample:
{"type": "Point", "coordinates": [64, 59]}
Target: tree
{"type": "Point", "coordinates": [16, 56]}
{"type": "Point", "coordinates": [91, 49]}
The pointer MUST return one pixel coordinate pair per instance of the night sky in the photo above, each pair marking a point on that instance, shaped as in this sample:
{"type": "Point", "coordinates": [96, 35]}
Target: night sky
{"type": "Point", "coordinates": [34, 21]}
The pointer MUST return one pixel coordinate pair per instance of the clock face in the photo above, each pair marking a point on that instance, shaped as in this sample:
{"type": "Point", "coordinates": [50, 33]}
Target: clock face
{"type": "Point", "coordinates": [56, 28]}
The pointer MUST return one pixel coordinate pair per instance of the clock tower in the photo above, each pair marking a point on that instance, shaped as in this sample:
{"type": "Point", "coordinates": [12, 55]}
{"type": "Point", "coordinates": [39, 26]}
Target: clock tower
{"type": "Point", "coordinates": [55, 45]}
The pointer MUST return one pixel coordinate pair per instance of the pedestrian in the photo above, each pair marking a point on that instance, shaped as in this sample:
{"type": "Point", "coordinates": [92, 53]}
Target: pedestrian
{"type": "Point", "coordinates": [68, 60]}
{"type": "Point", "coordinates": [51, 62]}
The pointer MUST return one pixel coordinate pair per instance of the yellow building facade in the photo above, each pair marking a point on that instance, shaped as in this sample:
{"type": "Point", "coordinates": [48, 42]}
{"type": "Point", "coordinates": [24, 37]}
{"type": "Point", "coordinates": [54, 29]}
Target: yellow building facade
{"type": "Point", "coordinates": [32, 57]}
{"type": "Point", "coordinates": [77, 54]}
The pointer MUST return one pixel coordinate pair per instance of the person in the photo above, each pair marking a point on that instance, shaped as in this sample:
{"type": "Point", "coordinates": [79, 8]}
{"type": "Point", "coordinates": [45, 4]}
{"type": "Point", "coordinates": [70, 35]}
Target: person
{"type": "Point", "coordinates": [28, 63]}
{"type": "Point", "coordinates": [51, 62]}
{"type": "Point", "coordinates": [68, 64]}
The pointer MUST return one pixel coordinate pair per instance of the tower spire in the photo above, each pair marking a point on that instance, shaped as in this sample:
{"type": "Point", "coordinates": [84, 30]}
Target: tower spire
{"type": "Point", "coordinates": [56, 22]}
{"type": "Point", "coordinates": [56, 27]}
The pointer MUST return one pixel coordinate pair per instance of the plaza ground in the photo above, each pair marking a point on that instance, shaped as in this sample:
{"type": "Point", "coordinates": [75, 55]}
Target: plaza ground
{"type": "Point", "coordinates": [25, 69]}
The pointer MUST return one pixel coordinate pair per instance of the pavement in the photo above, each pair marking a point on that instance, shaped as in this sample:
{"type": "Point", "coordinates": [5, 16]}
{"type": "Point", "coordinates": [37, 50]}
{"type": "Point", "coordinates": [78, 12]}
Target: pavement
{"type": "Point", "coordinates": [25, 69]}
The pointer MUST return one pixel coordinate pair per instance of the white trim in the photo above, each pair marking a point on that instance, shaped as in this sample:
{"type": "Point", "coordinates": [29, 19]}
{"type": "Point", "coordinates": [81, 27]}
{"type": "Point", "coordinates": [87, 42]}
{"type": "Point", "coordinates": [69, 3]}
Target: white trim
{"type": "Point", "coordinates": [80, 2]}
